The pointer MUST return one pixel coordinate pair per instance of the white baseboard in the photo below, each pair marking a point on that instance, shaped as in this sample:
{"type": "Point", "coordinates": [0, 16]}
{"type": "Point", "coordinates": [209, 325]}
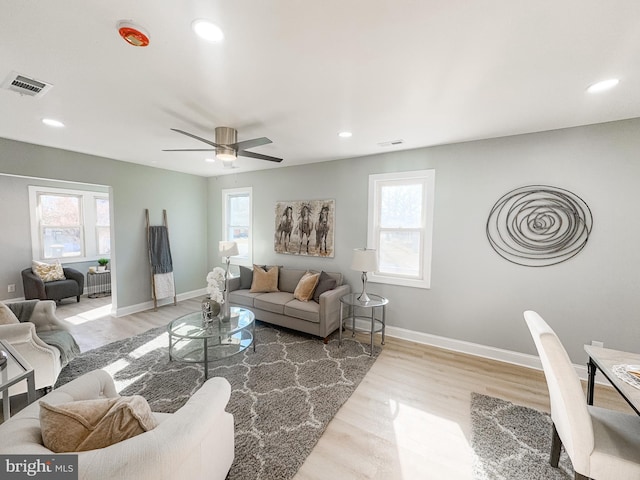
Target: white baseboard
{"type": "Point", "coordinates": [508, 356]}
{"type": "Point", "coordinates": [141, 307]}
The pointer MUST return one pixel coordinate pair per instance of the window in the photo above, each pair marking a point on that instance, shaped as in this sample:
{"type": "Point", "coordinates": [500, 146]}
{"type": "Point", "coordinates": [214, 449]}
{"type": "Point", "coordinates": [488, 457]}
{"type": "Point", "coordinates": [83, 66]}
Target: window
{"type": "Point", "coordinates": [71, 225]}
{"type": "Point", "coordinates": [236, 222]}
{"type": "Point", "coordinates": [400, 226]}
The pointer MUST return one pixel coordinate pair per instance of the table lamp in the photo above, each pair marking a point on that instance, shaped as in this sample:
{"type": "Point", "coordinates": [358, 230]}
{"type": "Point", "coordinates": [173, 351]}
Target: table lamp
{"type": "Point", "coordinates": [364, 260]}
{"type": "Point", "coordinates": [228, 250]}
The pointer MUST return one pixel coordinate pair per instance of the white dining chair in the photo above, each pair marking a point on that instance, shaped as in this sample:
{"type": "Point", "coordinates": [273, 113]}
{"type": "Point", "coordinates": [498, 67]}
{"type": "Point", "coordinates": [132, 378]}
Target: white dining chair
{"type": "Point", "coordinates": [602, 444]}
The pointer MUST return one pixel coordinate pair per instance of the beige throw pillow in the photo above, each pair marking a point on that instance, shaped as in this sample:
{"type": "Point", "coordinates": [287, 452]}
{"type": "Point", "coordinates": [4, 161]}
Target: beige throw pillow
{"type": "Point", "coordinates": [264, 282]}
{"type": "Point", "coordinates": [7, 317]}
{"type": "Point", "coordinates": [48, 272]}
{"type": "Point", "coordinates": [306, 286]}
{"type": "Point", "coordinates": [91, 424]}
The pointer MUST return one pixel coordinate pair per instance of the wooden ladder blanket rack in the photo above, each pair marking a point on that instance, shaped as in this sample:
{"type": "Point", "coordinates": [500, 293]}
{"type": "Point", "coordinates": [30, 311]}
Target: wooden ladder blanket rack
{"type": "Point", "coordinates": [160, 262]}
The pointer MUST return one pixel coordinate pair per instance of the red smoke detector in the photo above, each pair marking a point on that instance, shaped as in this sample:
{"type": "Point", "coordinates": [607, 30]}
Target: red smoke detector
{"type": "Point", "coordinates": [133, 34]}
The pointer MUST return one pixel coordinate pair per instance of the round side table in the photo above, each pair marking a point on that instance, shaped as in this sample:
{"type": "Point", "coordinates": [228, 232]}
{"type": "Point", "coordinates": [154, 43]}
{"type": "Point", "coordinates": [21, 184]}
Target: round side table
{"type": "Point", "coordinates": [352, 303]}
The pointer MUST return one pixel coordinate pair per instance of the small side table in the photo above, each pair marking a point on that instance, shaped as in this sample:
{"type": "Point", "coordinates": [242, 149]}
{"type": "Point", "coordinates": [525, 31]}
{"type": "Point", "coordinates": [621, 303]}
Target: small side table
{"type": "Point", "coordinates": [352, 303]}
{"type": "Point", "coordinates": [15, 370]}
{"type": "Point", "coordinates": [98, 284]}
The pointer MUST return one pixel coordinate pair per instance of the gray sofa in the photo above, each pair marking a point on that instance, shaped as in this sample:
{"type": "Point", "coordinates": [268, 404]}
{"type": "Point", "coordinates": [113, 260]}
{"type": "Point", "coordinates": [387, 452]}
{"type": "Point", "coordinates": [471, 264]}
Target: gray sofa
{"type": "Point", "coordinates": [281, 308]}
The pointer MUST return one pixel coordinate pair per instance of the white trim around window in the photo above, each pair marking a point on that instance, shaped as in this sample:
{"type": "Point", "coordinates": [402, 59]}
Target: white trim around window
{"type": "Point", "coordinates": [87, 240]}
{"type": "Point", "coordinates": [238, 227]}
{"type": "Point", "coordinates": [403, 242]}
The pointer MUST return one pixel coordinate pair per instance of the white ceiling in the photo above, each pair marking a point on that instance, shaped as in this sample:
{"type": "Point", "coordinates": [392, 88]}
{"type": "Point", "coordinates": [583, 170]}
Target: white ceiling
{"type": "Point", "coordinates": [429, 72]}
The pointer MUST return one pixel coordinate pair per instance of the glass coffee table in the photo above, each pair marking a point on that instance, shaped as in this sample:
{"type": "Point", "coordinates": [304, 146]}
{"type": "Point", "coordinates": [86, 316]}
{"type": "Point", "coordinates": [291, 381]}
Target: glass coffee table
{"type": "Point", "coordinates": [193, 341]}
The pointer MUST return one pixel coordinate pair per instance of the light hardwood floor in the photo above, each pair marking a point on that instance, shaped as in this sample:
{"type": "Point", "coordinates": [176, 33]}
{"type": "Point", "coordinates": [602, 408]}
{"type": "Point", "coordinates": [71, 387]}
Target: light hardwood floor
{"type": "Point", "coordinates": [408, 419]}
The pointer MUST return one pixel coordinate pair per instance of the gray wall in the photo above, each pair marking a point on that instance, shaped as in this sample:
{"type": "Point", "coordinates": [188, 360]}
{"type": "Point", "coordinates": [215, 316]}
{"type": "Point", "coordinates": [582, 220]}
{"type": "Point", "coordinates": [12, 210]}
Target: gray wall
{"type": "Point", "coordinates": [133, 188]}
{"type": "Point", "coordinates": [476, 295]}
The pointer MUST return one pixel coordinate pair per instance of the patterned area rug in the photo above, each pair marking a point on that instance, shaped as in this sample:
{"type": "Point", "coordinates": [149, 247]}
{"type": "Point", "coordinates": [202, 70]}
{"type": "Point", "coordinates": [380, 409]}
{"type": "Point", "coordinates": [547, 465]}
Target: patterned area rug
{"type": "Point", "coordinates": [511, 442]}
{"type": "Point", "coordinates": [283, 395]}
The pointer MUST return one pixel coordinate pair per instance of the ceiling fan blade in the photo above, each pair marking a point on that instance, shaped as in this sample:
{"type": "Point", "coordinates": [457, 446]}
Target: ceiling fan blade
{"type": "Point", "coordinates": [190, 150]}
{"type": "Point", "coordinates": [208, 142]}
{"type": "Point", "coordinates": [245, 144]}
{"type": "Point", "coordinates": [259, 156]}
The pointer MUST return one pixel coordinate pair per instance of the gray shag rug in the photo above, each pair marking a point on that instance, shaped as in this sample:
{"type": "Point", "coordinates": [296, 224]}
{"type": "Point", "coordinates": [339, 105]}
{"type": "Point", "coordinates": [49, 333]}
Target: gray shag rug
{"type": "Point", "coordinates": [283, 395]}
{"type": "Point", "coordinates": [511, 442]}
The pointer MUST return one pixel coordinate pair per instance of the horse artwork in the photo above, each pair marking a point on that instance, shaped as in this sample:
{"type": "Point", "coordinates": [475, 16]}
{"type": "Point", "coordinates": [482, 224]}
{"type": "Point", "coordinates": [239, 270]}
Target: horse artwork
{"type": "Point", "coordinates": [305, 227]}
{"type": "Point", "coordinates": [285, 227]}
{"type": "Point", "coordinates": [322, 230]}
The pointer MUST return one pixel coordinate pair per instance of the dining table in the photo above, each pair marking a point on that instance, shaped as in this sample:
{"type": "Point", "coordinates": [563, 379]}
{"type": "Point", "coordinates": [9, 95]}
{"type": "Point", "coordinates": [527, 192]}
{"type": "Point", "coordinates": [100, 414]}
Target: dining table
{"type": "Point", "coordinates": [614, 365]}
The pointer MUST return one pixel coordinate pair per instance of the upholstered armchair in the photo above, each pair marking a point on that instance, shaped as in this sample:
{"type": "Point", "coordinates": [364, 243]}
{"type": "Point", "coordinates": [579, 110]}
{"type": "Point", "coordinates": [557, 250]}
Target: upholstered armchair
{"type": "Point", "coordinates": [71, 286]}
{"type": "Point", "coordinates": [195, 442]}
{"type": "Point", "coordinates": [33, 329]}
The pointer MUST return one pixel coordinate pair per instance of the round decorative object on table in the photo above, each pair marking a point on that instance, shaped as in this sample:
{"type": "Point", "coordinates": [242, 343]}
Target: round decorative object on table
{"type": "Point", "coordinates": [210, 310]}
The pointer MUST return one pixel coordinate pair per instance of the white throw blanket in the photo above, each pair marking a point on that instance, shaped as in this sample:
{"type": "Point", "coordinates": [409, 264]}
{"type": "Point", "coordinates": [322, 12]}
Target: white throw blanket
{"type": "Point", "coordinates": [164, 285]}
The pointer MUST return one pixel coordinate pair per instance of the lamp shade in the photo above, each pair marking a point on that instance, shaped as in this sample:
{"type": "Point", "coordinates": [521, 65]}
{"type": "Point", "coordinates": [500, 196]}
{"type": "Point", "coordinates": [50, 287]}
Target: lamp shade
{"type": "Point", "coordinates": [228, 249]}
{"type": "Point", "coordinates": [364, 260]}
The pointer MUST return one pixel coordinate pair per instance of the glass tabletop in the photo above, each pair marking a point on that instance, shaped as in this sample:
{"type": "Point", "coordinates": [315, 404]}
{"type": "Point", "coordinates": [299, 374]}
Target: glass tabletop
{"type": "Point", "coordinates": [15, 367]}
{"type": "Point", "coordinates": [192, 325]}
{"type": "Point", "coordinates": [375, 300]}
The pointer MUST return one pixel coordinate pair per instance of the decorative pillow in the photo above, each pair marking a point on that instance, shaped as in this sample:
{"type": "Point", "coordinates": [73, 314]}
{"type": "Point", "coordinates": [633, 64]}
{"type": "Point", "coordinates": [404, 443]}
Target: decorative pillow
{"type": "Point", "coordinates": [246, 277]}
{"type": "Point", "coordinates": [264, 282]}
{"type": "Point", "coordinates": [7, 317]}
{"type": "Point", "coordinates": [306, 286]}
{"type": "Point", "coordinates": [325, 283]}
{"type": "Point", "coordinates": [48, 272]}
{"type": "Point", "coordinates": [90, 424]}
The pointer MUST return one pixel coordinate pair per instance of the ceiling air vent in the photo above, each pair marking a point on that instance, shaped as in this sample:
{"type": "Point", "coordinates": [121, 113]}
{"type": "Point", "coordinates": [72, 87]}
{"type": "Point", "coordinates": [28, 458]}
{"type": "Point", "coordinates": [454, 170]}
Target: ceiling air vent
{"type": "Point", "coordinates": [391, 143]}
{"type": "Point", "coordinates": [25, 85]}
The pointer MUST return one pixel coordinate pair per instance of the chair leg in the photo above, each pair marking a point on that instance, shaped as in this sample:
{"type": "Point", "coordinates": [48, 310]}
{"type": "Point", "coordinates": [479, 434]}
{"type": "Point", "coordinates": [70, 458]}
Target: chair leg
{"type": "Point", "coordinates": [556, 445]}
{"type": "Point", "coordinates": [78, 299]}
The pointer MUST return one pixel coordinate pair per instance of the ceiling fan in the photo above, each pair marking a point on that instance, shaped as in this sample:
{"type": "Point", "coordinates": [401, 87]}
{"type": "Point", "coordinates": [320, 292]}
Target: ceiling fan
{"type": "Point", "coordinates": [227, 147]}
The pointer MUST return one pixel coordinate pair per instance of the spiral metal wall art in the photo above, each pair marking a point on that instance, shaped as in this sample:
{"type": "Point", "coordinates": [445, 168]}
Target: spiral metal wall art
{"type": "Point", "coordinates": [539, 225]}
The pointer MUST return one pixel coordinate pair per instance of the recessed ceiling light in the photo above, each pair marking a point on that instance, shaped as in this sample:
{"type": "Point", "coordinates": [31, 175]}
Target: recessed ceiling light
{"type": "Point", "coordinates": [345, 134]}
{"type": "Point", "coordinates": [207, 30]}
{"type": "Point", "coordinates": [603, 85]}
{"type": "Point", "coordinates": [210, 160]}
{"type": "Point", "coordinates": [52, 123]}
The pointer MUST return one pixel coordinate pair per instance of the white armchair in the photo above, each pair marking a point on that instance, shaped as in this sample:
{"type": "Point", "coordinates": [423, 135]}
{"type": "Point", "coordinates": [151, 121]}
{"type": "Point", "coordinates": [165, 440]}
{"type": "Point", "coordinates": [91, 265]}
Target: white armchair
{"type": "Point", "coordinates": [195, 442]}
{"type": "Point", "coordinates": [22, 331]}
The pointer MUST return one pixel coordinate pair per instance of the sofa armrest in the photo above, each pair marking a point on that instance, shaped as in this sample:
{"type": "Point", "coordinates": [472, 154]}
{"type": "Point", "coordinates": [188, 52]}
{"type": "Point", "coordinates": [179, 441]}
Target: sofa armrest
{"type": "Point", "coordinates": [330, 309]}
{"type": "Point", "coordinates": [33, 285]}
{"type": "Point", "coordinates": [74, 274]}
{"type": "Point", "coordinates": [17, 333]}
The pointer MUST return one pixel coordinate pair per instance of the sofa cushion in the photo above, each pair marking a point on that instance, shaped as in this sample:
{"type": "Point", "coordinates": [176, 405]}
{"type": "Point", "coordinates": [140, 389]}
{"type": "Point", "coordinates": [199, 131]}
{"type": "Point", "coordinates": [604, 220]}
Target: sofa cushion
{"type": "Point", "coordinates": [325, 283]}
{"type": "Point", "coordinates": [306, 286]}
{"type": "Point", "coordinates": [264, 281]}
{"type": "Point", "coordinates": [273, 302]}
{"type": "Point", "coordinates": [289, 278]}
{"type": "Point", "coordinates": [90, 424]}
{"type": "Point", "coordinates": [7, 317]}
{"type": "Point", "coordinates": [246, 277]}
{"type": "Point", "coordinates": [243, 297]}
{"type": "Point", "coordinates": [48, 272]}
{"type": "Point", "coordinates": [309, 311]}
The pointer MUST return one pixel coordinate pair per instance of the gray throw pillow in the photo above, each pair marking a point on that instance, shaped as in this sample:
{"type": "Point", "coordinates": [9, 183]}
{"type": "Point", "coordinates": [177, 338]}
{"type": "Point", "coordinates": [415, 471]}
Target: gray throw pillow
{"type": "Point", "coordinates": [325, 283]}
{"type": "Point", "coordinates": [246, 277]}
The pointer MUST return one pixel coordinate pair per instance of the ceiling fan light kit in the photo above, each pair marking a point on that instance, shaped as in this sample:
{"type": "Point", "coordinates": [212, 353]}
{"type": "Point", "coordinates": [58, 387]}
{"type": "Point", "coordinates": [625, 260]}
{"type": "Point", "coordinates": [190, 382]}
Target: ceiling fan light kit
{"type": "Point", "coordinates": [133, 34]}
{"type": "Point", "coordinates": [226, 136]}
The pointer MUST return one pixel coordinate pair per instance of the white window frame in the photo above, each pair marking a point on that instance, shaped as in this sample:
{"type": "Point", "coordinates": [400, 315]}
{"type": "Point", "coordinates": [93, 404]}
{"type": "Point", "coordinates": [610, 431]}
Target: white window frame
{"type": "Point", "coordinates": [226, 195]}
{"type": "Point", "coordinates": [87, 222]}
{"type": "Point", "coordinates": [427, 179]}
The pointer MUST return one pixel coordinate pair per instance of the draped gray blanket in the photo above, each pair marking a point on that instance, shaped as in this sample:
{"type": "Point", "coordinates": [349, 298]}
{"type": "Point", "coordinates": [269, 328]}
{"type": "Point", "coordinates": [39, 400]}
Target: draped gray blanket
{"type": "Point", "coordinates": [159, 250]}
{"type": "Point", "coordinates": [23, 310]}
{"type": "Point", "coordinates": [63, 341]}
